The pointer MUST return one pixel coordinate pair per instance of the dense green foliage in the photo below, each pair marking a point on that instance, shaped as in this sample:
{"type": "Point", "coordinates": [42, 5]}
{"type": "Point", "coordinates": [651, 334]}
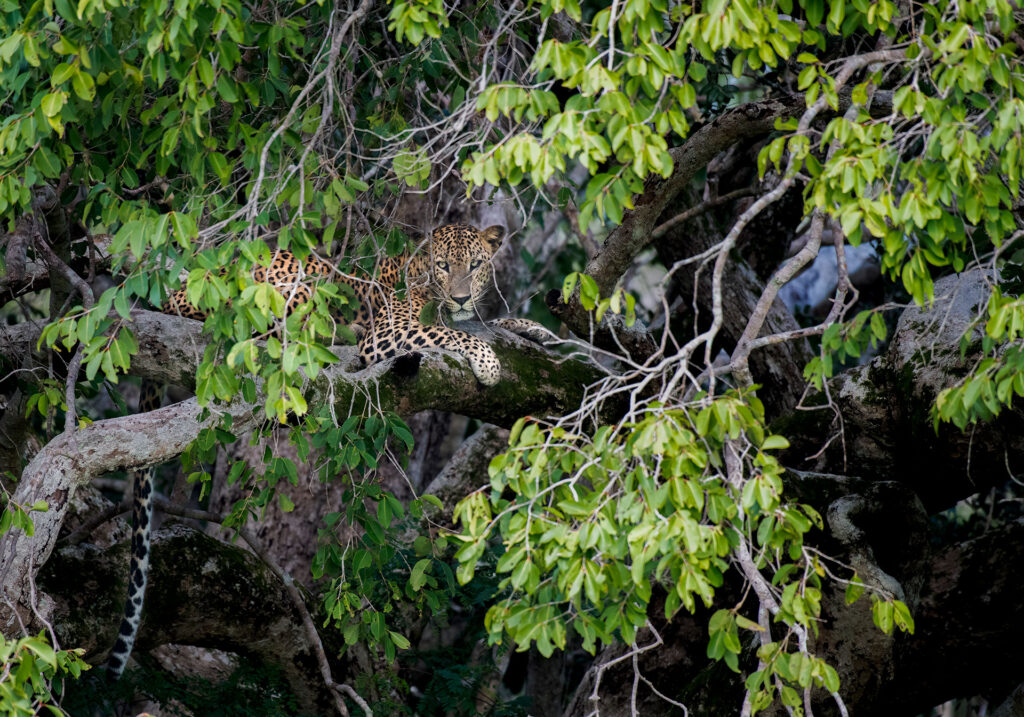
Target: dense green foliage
{"type": "Point", "coordinates": [199, 134]}
{"type": "Point", "coordinates": [30, 667]}
{"type": "Point", "coordinates": [597, 519]}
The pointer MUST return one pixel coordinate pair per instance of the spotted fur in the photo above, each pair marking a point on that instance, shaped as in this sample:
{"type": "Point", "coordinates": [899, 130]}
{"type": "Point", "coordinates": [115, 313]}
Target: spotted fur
{"type": "Point", "coordinates": [526, 328]}
{"type": "Point", "coordinates": [453, 268]}
{"type": "Point", "coordinates": [142, 518]}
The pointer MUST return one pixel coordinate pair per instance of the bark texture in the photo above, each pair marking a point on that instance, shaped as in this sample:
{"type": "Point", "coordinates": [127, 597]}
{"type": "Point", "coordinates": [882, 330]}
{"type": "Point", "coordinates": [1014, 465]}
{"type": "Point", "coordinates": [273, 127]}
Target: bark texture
{"type": "Point", "coordinates": [226, 599]}
{"type": "Point", "coordinates": [73, 459]}
{"type": "Point", "coordinates": [879, 425]}
{"type": "Point", "coordinates": [879, 482]}
{"type": "Point", "coordinates": [169, 351]}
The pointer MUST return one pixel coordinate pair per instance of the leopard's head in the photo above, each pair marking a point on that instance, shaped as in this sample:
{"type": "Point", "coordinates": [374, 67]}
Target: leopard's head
{"type": "Point", "coordinates": [461, 266]}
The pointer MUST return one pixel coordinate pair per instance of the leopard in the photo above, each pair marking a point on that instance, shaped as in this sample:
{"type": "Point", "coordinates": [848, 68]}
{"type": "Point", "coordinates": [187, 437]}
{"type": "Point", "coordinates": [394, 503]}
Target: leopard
{"type": "Point", "coordinates": [452, 267]}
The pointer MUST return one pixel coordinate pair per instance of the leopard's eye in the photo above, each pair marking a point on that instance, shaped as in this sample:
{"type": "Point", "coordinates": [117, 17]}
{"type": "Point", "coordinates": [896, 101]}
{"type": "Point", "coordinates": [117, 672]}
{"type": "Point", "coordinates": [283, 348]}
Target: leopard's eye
{"type": "Point", "coordinates": [476, 264]}
{"type": "Point", "coordinates": [442, 265]}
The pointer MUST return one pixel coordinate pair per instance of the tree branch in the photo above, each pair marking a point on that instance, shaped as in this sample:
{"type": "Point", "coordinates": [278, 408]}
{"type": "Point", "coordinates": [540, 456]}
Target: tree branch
{"type": "Point", "coordinates": [960, 648]}
{"type": "Point", "coordinates": [636, 232]}
{"type": "Point", "coordinates": [73, 458]}
{"type": "Point", "coordinates": [18, 283]}
{"type": "Point", "coordinates": [535, 382]}
{"type": "Point", "coordinates": [957, 649]}
{"type": "Point", "coordinates": [696, 211]}
{"type": "Point", "coordinates": [467, 469]}
{"type": "Point", "coordinates": [879, 412]}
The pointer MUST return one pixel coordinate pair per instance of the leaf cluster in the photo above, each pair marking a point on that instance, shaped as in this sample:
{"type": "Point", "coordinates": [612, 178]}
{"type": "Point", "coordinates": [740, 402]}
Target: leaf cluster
{"type": "Point", "coordinates": [30, 666]}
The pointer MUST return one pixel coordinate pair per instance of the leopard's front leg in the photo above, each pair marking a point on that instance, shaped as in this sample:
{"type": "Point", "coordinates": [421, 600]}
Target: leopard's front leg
{"type": "Point", "coordinates": [482, 359]}
{"type": "Point", "coordinates": [384, 344]}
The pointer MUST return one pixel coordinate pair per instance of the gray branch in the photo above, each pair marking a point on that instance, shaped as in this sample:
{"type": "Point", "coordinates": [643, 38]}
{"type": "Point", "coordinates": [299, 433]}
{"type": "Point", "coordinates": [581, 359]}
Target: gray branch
{"type": "Point", "coordinates": [875, 420]}
{"type": "Point", "coordinates": [534, 382]}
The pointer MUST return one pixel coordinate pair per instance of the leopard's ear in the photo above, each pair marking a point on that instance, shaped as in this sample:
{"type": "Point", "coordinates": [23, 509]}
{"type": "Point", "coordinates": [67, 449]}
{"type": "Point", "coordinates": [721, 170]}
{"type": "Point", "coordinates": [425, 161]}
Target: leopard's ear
{"type": "Point", "coordinates": [492, 236]}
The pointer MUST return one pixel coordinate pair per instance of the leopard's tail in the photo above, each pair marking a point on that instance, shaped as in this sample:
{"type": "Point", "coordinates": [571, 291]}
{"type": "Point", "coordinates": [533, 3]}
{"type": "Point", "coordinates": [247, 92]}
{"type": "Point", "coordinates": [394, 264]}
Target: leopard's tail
{"type": "Point", "coordinates": [142, 517]}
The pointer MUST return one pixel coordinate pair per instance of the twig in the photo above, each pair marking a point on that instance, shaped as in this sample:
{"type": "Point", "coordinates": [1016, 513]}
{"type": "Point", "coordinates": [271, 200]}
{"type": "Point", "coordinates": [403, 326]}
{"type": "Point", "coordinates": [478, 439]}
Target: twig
{"type": "Point", "coordinates": [55, 263]}
{"type": "Point", "coordinates": [594, 695]}
{"type": "Point", "coordinates": [742, 556]}
{"type": "Point", "coordinates": [157, 181]}
{"type": "Point", "coordinates": [782, 277]}
{"type": "Point", "coordinates": [94, 521]}
{"type": "Point", "coordinates": [307, 622]}
{"type": "Point", "coordinates": [696, 211]}
{"type": "Point", "coordinates": [33, 603]}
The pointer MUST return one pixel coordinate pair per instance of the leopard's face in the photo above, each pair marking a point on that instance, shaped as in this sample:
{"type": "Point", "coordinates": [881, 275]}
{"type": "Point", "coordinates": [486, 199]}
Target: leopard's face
{"type": "Point", "coordinates": [461, 266]}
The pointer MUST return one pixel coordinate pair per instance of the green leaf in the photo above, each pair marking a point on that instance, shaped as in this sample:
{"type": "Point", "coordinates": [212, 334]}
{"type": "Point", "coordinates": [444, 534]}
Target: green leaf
{"type": "Point", "coordinates": [418, 576]}
{"type": "Point", "coordinates": [774, 443]}
{"type": "Point", "coordinates": [226, 89]}
{"type": "Point", "coordinates": [748, 624]}
{"type": "Point", "coordinates": [401, 641]}
{"type": "Point", "coordinates": [205, 70]}
{"type": "Point", "coordinates": [84, 86]}
{"type": "Point", "coordinates": [589, 293]}
{"type": "Point", "coordinates": [53, 102]}
{"type": "Point", "coordinates": [428, 314]}
{"type": "Point", "coordinates": [61, 73]}
{"type": "Point", "coordinates": [882, 614]}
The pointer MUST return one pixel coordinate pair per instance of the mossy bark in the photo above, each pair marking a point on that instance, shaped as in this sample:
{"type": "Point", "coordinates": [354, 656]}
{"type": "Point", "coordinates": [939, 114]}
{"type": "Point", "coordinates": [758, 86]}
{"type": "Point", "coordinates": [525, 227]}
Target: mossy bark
{"type": "Point", "coordinates": [202, 592]}
{"type": "Point", "coordinates": [534, 382]}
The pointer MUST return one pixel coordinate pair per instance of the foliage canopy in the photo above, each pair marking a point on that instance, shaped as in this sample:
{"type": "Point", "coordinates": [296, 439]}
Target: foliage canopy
{"type": "Point", "coordinates": [196, 135]}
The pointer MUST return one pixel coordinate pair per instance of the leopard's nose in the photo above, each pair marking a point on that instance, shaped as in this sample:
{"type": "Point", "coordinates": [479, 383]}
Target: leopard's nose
{"type": "Point", "coordinates": [461, 300]}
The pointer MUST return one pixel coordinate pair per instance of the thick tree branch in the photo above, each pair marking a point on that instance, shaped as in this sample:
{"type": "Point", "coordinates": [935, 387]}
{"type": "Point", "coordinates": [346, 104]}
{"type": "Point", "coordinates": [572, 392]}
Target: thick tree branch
{"type": "Point", "coordinates": [637, 229]}
{"type": "Point", "coordinates": [14, 258]}
{"type": "Point", "coordinates": [638, 226]}
{"type": "Point", "coordinates": [467, 469]}
{"type": "Point", "coordinates": [46, 217]}
{"type": "Point", "coordinates": [72, 459]}
{"type": "Point", "coordinates": [170, 348]}
{"type": "Point", "coordinates": [692, 212]}
{"type": "Point", "coordinates": [36, 278]}
{"type": "Point", "coordinates": [779, 369]}
{"type": "Point", "coordinates": [970, 624]}
{"type": "Point", "coordinates": [875, 420]}
{"type": "Point", "coordinates": [534, 381]}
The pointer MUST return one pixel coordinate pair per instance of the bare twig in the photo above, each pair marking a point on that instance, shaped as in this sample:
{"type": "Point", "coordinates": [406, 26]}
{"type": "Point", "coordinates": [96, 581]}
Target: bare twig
{"type": "Point", "coordinates": [85, 291]}
{"type": "Point", "coordinates": [696, 211]}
